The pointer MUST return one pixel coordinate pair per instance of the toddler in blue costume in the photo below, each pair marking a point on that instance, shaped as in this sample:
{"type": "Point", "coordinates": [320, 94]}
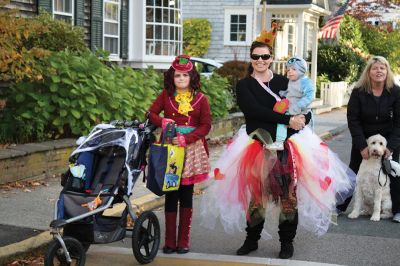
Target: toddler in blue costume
{"type": "Point", "coordinates": [300, 94]}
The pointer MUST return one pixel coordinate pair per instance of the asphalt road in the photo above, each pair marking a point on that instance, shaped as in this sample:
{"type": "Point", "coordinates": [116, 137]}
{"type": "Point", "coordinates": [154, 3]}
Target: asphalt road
{"type": "Point", "coordinates": [351, 242]}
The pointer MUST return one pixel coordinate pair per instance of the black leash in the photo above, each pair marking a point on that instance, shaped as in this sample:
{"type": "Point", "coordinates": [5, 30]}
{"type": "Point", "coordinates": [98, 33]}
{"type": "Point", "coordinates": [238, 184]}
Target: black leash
{"type": "Point", "coordinates": [379, 182]}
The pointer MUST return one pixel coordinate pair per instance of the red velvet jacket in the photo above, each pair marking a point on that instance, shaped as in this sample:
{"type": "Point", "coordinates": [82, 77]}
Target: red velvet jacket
{"type": "Point", "coordinates": [200, 117]}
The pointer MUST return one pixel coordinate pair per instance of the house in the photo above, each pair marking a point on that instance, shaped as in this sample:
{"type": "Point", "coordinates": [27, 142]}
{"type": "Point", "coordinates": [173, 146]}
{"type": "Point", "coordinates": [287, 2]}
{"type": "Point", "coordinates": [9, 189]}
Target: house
{"type": "Point", "coordinates": [137, 33]}
{"type": "Point", "coordinates": [236, 23]}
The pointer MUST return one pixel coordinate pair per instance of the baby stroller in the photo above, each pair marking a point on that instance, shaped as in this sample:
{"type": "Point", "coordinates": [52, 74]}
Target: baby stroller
{"type": "Point", "coordinates": [103, 170]}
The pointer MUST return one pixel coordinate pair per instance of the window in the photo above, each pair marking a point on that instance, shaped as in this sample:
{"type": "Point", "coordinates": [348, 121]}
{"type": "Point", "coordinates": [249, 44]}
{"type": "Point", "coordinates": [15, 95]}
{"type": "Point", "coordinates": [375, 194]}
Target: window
{"type": "Point", "coordinates": [237, 28]}
{"type": "Point", "coordinates": [111, 25]}
{"type": "Point", "coordinates": [63, 10]}
{"type": "Point", "coordinates": [163, 27]}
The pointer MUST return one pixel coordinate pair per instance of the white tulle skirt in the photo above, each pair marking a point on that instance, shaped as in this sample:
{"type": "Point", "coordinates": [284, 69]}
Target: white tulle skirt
{"type": "Point", "coordinates": [321, 182]}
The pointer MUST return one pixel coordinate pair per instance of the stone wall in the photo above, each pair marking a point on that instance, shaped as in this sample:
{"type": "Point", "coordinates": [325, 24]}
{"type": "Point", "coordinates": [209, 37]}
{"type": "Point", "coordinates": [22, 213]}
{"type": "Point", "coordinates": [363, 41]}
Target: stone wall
{"type": "Point", "coordinates": [40, 160]}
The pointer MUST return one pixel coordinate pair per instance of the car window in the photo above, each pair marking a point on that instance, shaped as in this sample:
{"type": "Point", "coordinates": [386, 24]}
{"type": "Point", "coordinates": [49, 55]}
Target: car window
{"type": "Point", "coordinates": [199, 67]}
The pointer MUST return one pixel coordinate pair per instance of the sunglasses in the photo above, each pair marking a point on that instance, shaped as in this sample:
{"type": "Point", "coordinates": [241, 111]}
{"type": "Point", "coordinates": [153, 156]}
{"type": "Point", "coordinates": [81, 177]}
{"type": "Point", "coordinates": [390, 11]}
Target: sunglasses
{"type": "Point", "coordinates": [293, 60]}
{"type": "Point", "coordinates": [262, 56]}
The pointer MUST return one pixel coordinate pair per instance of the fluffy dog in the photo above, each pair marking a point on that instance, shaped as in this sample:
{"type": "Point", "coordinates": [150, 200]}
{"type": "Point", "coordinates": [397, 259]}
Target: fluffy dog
{"type": "Point", "coordinates": [372, 194]}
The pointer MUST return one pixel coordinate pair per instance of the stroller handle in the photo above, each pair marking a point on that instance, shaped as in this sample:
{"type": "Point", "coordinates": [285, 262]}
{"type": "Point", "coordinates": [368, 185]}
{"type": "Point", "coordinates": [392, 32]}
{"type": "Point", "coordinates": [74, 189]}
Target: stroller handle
{"type": "Point", "coordinates": [146, 126]}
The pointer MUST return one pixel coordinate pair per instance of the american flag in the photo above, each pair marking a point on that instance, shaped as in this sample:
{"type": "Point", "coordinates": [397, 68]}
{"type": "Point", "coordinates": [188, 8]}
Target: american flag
{"type": "Point", "coordinates": [329, 30]}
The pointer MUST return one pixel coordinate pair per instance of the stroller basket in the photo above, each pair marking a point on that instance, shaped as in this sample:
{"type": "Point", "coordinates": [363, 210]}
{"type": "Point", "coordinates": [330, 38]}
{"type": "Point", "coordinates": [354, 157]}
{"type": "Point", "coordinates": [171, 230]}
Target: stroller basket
{"type": "Point", "coordinates": [98, 229]}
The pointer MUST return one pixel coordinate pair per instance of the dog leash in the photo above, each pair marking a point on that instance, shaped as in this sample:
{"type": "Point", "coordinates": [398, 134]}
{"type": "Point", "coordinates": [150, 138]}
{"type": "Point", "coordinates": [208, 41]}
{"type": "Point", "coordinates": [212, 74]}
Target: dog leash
{"type": "Point", "coordinates": [379, 174]}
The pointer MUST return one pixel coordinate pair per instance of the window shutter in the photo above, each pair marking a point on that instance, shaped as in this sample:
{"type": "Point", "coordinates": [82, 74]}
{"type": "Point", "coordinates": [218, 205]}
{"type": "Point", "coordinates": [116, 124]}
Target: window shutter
{"type": "Point", "coordinates": [124, 28]}
{"type": "Point", "coordinates": [45, 5]}
{"type": "Point", "coordinates": [79, 13]}
{"type": "Point", "coordinates": [96, 25]}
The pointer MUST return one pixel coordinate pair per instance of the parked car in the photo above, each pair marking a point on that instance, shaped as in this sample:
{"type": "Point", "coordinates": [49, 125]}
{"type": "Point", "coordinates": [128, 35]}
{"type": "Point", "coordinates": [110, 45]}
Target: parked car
{"type": "Point", "coordinates": [205, 66]}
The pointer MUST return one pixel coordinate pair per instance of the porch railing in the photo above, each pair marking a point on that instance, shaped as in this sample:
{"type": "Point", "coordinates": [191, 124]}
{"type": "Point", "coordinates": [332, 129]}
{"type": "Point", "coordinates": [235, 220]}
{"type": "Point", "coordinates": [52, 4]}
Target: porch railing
{"type": "Point", "coordinates": [279, 67]}
{"type": "Point", "coordinates": [335, 94]}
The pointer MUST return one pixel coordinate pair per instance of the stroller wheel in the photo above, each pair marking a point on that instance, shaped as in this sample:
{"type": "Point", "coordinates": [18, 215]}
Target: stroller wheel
{"type": "Point", "coordinates": [146, 237]}
{"type": "Point", "coordinates": [55, 254]}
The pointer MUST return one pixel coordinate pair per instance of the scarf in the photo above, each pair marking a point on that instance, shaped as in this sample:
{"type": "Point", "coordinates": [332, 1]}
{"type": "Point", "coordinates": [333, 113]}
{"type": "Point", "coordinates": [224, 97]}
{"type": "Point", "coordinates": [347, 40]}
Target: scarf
{"type": "Point", "coordinates": [184, 99]}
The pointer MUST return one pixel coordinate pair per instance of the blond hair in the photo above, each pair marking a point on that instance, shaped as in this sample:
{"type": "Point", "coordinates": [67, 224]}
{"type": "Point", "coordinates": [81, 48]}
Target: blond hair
{"type": "Point", "coordinates": [364, 82]}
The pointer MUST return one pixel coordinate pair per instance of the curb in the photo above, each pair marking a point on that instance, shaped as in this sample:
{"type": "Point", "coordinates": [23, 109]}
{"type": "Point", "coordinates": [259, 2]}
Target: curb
{"type": "Point", "coordinates": [144, 203]}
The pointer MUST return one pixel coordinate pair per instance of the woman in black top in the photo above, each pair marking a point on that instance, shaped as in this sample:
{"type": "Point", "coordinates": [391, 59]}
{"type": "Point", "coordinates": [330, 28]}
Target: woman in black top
{"type": "Point", "coordinates": [257, 104]}
{"type": "Point", "coordinates": [374, 108]}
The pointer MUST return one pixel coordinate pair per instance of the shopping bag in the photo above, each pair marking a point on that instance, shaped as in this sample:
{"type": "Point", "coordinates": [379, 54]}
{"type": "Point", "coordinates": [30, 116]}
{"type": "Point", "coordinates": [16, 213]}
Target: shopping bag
{"type": "Point", "coordinates": [165, 167]}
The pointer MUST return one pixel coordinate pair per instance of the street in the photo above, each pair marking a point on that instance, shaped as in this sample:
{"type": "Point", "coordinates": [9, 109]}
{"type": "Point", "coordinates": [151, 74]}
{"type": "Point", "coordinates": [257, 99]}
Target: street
{"type": "Point", "coordinates": [351, 242]}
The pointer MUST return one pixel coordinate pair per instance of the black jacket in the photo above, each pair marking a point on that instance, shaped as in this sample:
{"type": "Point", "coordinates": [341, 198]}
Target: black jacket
{"type": "Point", "coordinates": [367, 117]}
{"type": "Point", "coordinates": [256, 105]}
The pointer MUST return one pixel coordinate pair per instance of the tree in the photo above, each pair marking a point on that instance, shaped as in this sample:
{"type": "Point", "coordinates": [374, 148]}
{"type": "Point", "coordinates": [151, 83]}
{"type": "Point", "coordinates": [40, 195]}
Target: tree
{"type": "Point", "coordinates": [362, 10]}
{"type": "Point", "coordinates": [196, 36]}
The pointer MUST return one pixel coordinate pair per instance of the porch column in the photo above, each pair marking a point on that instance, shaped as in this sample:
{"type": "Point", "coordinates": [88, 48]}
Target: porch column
{"type": "Point", "coordinates": [300, 35]}
{"type": "Point", "coordinates": [314, 55]}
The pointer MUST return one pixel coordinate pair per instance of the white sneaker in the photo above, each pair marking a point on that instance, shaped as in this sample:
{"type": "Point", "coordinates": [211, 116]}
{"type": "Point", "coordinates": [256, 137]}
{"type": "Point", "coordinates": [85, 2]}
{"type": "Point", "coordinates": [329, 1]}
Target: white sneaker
{"type": "Point", "coordinates": [396, 218]}
{"type": "Point", "coordinates": [276, 146]}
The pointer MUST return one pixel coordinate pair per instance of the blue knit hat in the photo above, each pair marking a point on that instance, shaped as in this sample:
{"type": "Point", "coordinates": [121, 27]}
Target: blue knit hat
{"type": "Point", "coordinates": [298, 63]}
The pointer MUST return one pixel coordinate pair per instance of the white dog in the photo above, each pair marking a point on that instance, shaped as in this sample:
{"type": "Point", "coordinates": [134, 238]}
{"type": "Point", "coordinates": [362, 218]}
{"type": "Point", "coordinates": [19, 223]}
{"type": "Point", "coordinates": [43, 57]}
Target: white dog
{"type": "Point", "coordinates": [372, 194]}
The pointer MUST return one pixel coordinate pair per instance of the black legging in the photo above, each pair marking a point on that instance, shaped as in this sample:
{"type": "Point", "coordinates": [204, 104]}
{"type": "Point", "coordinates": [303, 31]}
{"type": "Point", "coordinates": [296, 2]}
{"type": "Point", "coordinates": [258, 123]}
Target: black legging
{"type": "Point", "coordinates": [355, 161]}
{"type": "Point", "coordinates": [184, 195]}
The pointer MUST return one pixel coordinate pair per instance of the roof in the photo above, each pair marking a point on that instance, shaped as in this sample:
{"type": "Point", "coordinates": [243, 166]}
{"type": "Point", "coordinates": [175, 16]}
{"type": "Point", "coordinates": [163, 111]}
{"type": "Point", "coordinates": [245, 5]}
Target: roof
{"type": "Point", "coordinates": [319, 3]}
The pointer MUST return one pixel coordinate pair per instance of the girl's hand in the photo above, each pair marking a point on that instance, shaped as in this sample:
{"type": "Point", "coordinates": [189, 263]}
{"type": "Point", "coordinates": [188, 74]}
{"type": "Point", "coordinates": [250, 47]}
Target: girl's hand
{"type": "Point", "coordinates": [175, 141]}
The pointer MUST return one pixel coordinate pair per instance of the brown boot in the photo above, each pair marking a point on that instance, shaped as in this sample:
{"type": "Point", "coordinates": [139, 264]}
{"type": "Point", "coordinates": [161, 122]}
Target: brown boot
{"type": "Point", "coordinates": [170, 233]}
{"type": "Point", "coordinates": [185, 220]}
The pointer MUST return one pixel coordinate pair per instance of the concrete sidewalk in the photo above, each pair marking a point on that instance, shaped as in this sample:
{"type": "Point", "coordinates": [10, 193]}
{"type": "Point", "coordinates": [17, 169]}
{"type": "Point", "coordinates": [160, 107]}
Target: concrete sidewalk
{"type": "Point", "coordinates": [26, 214]}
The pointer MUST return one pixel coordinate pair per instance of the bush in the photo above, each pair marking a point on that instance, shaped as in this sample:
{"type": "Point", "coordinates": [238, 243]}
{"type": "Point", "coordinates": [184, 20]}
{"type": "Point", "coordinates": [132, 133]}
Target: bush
{"type": "Point", "coordinates": [339, 63]}
{"type": "Point", "coordinates": [234, 71]}
{"type": "Point", "coordinates": [196, 36]}
{"type": "Point", "coordinates": [25, 41]}
{"type": "Point", "coordinates": [76, 93]}
{"type": "Point", "coordinates": [59, 36]}
{"type": "Point", "coordinates": [18, 60]}
{"type": "Point", "coordinates": [217, 90]}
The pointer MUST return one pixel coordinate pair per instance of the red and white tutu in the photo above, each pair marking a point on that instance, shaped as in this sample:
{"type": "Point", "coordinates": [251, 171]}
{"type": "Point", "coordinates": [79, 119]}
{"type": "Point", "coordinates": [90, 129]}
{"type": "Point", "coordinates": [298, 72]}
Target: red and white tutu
{"type": "Point", "coordinates": [243, 174]}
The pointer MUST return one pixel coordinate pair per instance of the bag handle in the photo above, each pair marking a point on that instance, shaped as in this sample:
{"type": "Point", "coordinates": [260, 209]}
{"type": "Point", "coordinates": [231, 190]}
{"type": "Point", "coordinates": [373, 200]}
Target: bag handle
{"type": "Point", "coordinates": [168, 132]}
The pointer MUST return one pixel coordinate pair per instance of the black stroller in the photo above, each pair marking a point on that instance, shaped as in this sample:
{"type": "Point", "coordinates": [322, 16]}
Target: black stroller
{"type": "Point", "coordinates": [103, 170]}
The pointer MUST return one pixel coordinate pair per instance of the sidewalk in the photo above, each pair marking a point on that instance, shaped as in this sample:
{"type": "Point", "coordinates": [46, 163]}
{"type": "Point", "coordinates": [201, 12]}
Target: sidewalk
{"type": "Point", "coordinates": [26, 214]}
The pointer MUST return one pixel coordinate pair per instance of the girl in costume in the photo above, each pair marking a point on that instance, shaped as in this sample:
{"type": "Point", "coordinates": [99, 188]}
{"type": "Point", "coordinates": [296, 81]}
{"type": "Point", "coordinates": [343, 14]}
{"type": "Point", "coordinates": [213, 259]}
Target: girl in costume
{"type": "Point", "coordinates": [303, 180]}
{"type": "Point", "coordinates": [185, 105]}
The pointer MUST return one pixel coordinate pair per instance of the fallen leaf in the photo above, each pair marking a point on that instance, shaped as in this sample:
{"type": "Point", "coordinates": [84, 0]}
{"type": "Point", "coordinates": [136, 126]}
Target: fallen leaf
{"type": "Point", "coordinates": [27, 190]}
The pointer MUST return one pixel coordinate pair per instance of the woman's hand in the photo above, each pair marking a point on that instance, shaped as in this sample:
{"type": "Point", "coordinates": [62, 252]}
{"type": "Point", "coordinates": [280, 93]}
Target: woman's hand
{"type": "Point", "coordinates": [388, 153]}
{"type": "Point", "coordinates": [365, 153]}
{"type": "Point", "coordinates": [297, 122]}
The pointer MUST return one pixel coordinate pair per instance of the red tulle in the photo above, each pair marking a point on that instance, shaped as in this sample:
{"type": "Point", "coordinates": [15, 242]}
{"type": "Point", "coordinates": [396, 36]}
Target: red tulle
{"type": "Point", "coordinates": [250, 171]}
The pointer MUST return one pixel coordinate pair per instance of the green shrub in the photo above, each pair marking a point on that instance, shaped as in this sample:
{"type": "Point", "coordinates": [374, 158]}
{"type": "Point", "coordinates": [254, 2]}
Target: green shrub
{"type": "Point", "coordinates": [60, 36]}
{"type": "Point", "coordinates": [18, 60]}
{"type": "Point", "coordinates": [76, 93]}
{"type": "Point", "coordinates": [196, 36]}
{"type": "Point", "coordinates": [217, 90]}
{"type": "Point", "coordinates": [351, 34]}
{"type": "Point", "coordinates": [339, 63]}
{"type": "Point", "coordinates": [384, 43]}
{"type": "Point", "coordinates": [234, 71]}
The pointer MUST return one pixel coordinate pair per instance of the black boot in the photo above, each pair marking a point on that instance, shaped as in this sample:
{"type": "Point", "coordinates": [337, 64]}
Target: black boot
{"type": "Point", "coordinates": [247, 247]}
{"type": "Point", "coordinates": [286, 250]}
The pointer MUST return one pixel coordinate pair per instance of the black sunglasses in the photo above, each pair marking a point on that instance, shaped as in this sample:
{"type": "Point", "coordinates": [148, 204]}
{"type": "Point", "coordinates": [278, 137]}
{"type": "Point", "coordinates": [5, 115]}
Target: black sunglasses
{"type": "Point", "coordinates": [263, 56]}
